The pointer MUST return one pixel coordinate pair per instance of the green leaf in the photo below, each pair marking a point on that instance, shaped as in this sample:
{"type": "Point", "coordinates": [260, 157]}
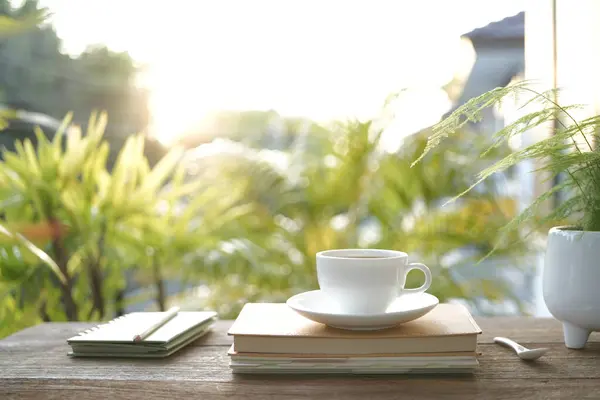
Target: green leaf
{"type": "Point", "coordinates": [31, 158]}
{"type": "Point", "coordinates": [124, 172]}
{"type": "Point", "coordinates": [9, 177]}
{"type": "Point", "coordinates": [161, 172]}
{"type": "Point", "coordinates": [73, 138]}
{"type": "Point", "coordinates": [18, 166]}
{"type": "Point", "coordinates": [12, 268]}
{"type": "Point", "coordinates": [60, 133]}
{"type": "Point", "coordinates": [45, 258]}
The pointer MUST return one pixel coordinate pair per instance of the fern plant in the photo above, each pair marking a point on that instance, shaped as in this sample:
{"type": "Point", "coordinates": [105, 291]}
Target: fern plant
{"type": "Point", "coordinates": [569, 154]}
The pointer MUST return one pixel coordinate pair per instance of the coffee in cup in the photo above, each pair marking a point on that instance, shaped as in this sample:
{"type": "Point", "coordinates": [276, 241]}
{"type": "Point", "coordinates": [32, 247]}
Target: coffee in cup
{"type": "Point", "coordinates": [366, 281]}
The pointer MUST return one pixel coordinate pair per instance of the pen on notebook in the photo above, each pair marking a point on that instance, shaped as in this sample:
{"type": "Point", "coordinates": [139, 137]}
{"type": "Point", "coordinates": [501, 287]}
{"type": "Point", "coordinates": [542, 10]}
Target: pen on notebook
{"type": "Point", "coordinates": [168, 315]}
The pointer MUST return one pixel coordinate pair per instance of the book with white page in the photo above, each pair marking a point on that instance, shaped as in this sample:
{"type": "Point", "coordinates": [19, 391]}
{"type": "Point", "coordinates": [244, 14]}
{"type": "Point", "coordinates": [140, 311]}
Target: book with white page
{"type": "Point", "coordinates": [116, 338]}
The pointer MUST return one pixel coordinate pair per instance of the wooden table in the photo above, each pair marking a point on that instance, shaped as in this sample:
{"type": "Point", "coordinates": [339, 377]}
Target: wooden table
{"type": "Point", "coordinates": [34, 365]}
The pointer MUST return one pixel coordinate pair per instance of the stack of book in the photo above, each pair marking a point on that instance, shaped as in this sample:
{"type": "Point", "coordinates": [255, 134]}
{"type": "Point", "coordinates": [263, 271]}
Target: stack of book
{"type": "Point", "coordinates": [272, 338]}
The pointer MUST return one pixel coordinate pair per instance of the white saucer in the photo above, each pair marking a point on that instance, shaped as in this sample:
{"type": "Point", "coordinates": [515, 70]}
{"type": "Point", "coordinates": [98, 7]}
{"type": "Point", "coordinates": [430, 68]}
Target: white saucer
{"type": "Point", "coordinates": [315, 306]}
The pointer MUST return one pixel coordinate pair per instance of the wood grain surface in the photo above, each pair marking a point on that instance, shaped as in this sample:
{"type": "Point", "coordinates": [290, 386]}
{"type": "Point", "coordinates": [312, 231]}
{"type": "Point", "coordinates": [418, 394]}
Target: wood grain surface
{"type": "Point", "coordinates": [34, 365]}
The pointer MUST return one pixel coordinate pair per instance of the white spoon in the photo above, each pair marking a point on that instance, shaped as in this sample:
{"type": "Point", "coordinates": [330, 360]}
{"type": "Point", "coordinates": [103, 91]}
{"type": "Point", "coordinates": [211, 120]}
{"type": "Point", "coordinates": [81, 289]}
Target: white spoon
{"type": "Point", "coordinates": [523, 352]}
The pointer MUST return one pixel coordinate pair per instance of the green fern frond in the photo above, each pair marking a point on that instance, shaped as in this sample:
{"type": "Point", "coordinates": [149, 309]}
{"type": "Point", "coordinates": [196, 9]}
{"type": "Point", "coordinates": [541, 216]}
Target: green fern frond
{"type": "Point", "coordinates": [568, 154]}
{"type": "Point", "coordinates": [471, 111]}
{"type": "Point", "coordinates": [564, 162]}
{"type": "Point", "coordinates": [525, 123]}
{"type": "Point", "coordinates": [531, 211]}
{"type": "Point", "coordinates": [523, 218]}
{"type": "Point", "coordinates": [565, 210]}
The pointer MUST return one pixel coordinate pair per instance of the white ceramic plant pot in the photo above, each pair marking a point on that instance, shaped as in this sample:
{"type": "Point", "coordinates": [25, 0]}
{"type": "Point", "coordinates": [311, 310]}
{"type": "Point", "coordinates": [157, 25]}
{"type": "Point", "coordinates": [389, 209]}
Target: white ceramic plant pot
{"type": "Point", "coordinates": [571, 279]}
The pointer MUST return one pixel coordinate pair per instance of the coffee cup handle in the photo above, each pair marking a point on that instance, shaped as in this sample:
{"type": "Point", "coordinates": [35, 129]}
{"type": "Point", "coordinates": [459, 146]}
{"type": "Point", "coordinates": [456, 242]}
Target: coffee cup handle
{"type": "Point", "coordinates": [423, 268]}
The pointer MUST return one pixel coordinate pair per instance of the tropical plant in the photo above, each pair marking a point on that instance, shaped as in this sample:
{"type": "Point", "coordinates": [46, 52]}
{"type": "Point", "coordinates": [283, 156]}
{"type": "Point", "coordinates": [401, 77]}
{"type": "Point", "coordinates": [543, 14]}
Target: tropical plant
{"type": "Point", "coordinates": [340, 190]}
{"type": "Point", "coordinates": [568, 156]}
{"type": "Point", "coordinates": [74, 235]}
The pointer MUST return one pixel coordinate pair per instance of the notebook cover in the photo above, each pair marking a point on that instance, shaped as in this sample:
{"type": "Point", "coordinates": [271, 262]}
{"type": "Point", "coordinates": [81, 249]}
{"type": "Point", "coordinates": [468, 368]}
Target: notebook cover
{"type": "Point", "coordinates": [126, 353]}
{"type": "Point", "coordinates": [279, 320]}
{"type": "Point", "coordinates": [141, 347]}
{"type": "Point", "coordinates": [123, 329]}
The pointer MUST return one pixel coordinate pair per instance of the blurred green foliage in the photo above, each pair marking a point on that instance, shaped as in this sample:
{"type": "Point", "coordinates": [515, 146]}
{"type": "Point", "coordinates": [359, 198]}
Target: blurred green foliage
{"type": "Point", "coordinates": [245, 226]}
{"type": "Point", "coordinates": [79, 219]}
{"type": "Point", "coordinates": [338, 189]}
{"type": "Point", "coordinates": [58, 198]}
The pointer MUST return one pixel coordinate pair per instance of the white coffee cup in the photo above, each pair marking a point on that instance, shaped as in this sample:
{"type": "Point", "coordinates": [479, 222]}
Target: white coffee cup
{"type": "Point", "coordinates": [366, 281]}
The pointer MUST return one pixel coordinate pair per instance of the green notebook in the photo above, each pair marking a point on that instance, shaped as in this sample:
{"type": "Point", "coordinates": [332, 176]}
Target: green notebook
{"type": "Point", "coordinates": [115, 338]}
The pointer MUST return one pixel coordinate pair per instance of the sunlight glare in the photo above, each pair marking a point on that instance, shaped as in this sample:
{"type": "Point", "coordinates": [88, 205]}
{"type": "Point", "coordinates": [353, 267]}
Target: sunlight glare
{"type": "Point", "coordinates": [321, 60]}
